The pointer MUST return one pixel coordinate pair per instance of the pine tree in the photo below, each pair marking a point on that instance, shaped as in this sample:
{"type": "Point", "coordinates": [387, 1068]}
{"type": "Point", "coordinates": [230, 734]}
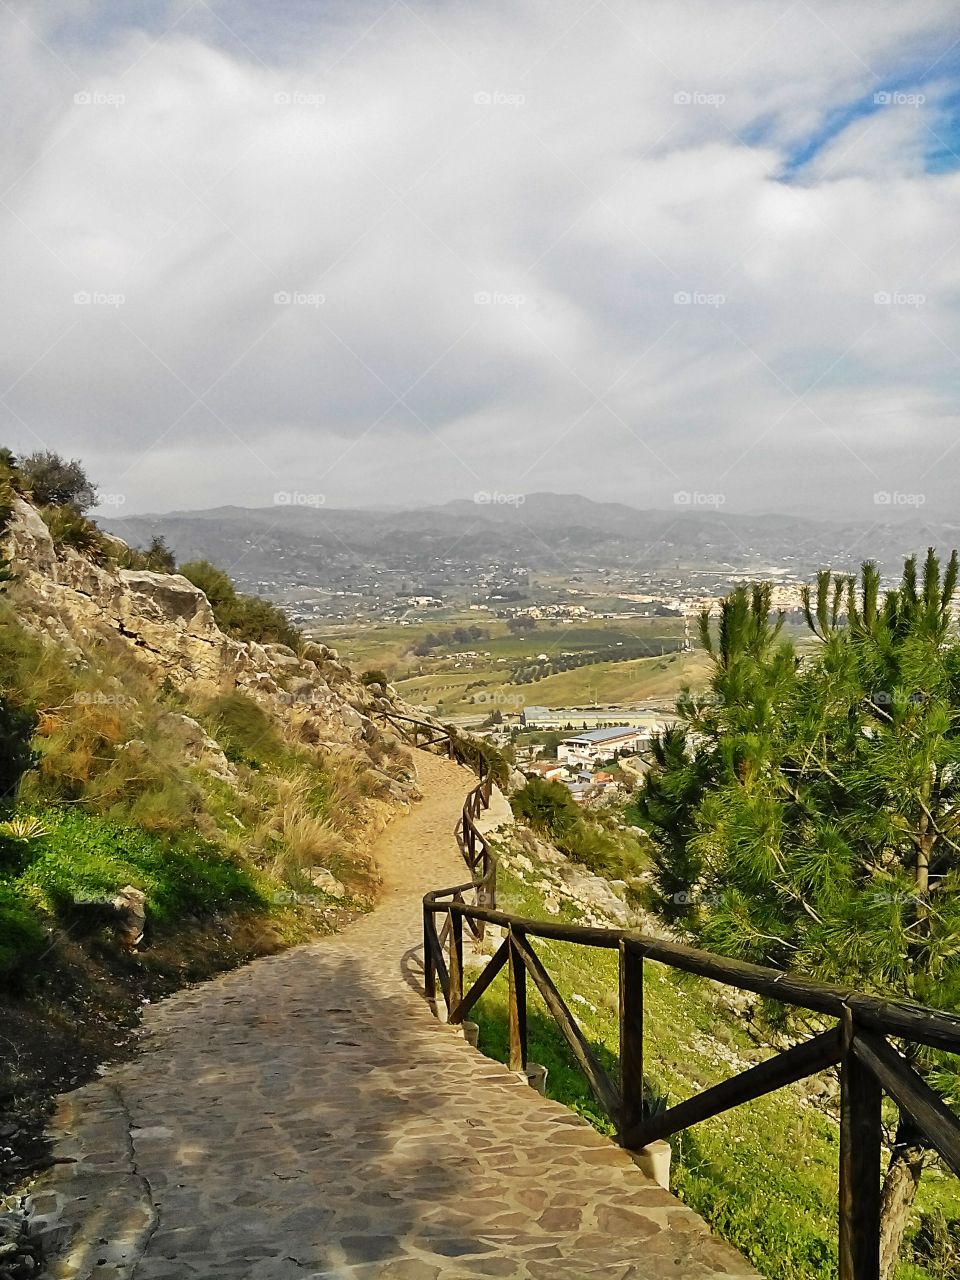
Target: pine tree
{"type": "Point", "coordinates": [805, 814]}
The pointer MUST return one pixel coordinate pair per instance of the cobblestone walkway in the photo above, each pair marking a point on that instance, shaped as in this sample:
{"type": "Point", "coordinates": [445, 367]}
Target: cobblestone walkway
{"type": "Point", "coordinates": [306, 1116]}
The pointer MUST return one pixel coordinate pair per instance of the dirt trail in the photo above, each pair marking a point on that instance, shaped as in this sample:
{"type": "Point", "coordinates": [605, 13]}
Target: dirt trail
{"type": "Point", "coordinates": [306, 1116]}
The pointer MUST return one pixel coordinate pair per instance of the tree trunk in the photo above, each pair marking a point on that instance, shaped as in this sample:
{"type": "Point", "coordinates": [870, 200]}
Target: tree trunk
{"type": "Point", "coordinates": [899, 1189]}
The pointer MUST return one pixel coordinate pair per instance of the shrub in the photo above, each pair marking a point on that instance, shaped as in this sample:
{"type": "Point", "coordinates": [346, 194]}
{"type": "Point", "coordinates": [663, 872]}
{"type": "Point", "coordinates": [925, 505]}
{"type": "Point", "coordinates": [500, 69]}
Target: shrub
{"type": "Point", "coordinates": [159, 557]}
{"type": "Point", "coordinates": [22, 936]}
{"type": "Point", "coordinates": [68, 528]}
{"type": "Point", "coordinates": [247, 734]}
{"type": "Point", "coordinates": [548, 807]}
{"type": "Point", "coordinates": [374, 676]}
{"type": "Point", "coordinates": [213, 582]}
{"type": "Point", "coordinates": [478, 754]}
{"type": "Point", "coordinates": [244, 617]}
{"type": "Point", "coordinates": [55, 482]}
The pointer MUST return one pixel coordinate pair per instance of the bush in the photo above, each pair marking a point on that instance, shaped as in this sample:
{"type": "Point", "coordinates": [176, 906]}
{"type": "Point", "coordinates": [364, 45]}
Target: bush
{"type": "Point", "coordinates": [548, 807]}
{"type": "Point", "coordinates": [374, 676]}
{"type": "Point", "coordinates": [244, 617]}
{"type": "Point", "coordinates": [247, 734]}
{"type": "Point", "coordinates": [157, 557]}
{"type": "Point", "coordinates": [479, 755]}
{"type": "Point", "coordinates": [69, 528]}
{"type": "Point", "coordinates": [213, 582]}
{"type": "Point", "coordinates": [55, 482]}
{"type": "Point", "coordinates": [22, 936]}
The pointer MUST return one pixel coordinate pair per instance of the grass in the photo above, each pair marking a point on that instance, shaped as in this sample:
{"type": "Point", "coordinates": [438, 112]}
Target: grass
{"type": "Point", "coordinates": [456, 692]}
{"type": "Point", "coordinates": [763, 1175]}
{"type": "Point", "coordinates": [389, 645]}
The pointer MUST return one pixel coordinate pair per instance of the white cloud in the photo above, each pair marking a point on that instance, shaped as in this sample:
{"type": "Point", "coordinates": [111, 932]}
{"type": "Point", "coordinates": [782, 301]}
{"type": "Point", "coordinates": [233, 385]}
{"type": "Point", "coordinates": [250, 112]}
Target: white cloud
{"type": "Point", "coordinates": [394, 164]}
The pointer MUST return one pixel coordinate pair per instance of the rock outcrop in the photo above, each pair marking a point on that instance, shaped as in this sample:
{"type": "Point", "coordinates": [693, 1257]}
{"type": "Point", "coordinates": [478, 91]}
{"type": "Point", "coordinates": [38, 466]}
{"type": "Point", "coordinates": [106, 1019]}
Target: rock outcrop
{"type": "Point", "coordinates": [168, 625]}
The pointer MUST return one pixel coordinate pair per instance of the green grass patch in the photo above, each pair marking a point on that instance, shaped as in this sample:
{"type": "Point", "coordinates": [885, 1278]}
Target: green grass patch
{"type": "Point", "coordinates": [85, 857]}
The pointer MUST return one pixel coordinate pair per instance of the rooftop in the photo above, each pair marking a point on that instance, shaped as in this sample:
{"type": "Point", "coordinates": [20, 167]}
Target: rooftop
{"type": "Point", "coordinates": [604, 735]}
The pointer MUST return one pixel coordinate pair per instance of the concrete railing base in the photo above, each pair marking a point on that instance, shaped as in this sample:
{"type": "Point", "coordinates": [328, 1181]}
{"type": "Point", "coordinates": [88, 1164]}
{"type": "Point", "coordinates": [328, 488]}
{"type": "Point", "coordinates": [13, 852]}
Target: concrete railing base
{"type": "Point", "coordinates": [654, 1161]}
{"type": "Point", "coordinates": [535, 1076]}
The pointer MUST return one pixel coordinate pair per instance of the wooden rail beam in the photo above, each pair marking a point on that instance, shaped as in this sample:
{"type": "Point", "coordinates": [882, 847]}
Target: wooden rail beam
{"type": "Point", "coordinates": [455, 991]}
{"type": "Point", "coordinates": [912, 1094]}
{"type": "Point", "coordinates": [604, 1090]}
{"type": "Point", "coordinates": [429, 968]}
{"type": "Point", "coordinates": [490, 971]}
{"type": "Point", "coordinates": [794, 1064]}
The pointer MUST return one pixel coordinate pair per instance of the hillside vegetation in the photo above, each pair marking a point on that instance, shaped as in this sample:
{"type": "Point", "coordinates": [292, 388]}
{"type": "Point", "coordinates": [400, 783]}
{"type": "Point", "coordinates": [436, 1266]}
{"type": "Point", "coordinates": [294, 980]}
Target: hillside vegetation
{"type": "Point", "coordinates": [176, 796]}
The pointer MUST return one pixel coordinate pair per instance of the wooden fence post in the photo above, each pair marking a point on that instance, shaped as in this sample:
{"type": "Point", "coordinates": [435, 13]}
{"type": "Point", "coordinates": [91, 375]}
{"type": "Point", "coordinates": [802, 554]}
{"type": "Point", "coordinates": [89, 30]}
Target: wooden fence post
{"type": "Point", "coordinates": [429, 968]}
{"type": "Point", "coordinates": [631, 1040]}
{"type": "Point", "coordinates": [455, 994]}
{"type": "Point", "coordinates": [860, 1097]}
{"type": "Point", "coordinates": [516, 1007]}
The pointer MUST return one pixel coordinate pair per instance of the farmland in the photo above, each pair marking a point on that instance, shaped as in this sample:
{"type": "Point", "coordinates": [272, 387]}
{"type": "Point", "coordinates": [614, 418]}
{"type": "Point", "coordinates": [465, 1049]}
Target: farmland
{"type": "Point", "coordinates": [557, 663]}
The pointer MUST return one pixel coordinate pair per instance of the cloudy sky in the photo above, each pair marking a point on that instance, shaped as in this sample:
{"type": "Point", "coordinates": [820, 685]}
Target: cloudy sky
{"type": "Point", "coordinates": [399, 251]}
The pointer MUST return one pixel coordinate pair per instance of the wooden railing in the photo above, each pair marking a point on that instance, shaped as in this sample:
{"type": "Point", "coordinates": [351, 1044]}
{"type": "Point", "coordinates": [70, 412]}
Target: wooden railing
{"type": "Point", "coordinates": [858, 1039]}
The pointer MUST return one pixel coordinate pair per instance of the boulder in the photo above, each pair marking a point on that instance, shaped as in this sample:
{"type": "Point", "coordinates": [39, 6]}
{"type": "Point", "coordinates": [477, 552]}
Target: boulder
{"type": "Point", "coordinates": [327, 883]}
{"type": "Point", "coordinates": [130, 904]}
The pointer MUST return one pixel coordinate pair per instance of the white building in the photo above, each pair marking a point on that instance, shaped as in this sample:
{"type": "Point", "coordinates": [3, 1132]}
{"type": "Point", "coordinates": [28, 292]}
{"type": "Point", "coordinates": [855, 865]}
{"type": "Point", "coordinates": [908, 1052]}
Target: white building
{"type": "Point", "coordinates": [601, 744]}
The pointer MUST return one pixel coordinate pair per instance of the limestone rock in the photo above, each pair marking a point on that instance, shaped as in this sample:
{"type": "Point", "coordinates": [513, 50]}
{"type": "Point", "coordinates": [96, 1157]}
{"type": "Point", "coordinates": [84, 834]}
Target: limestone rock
{"type": "Point", "coordinates": [327, 882]}
{"type": "Point", "coordinates": [130, 906]}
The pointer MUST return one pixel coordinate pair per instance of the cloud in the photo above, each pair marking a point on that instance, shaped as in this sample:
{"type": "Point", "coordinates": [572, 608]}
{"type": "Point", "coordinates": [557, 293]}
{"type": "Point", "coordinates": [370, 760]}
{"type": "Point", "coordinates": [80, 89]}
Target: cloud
{"type": "Point", "coordinates": [407, 251]}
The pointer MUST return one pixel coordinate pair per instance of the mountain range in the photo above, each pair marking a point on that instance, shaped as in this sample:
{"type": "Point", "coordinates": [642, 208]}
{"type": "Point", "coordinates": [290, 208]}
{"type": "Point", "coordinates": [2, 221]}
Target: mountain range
{"type": "Point", "coordinates": [297, 541]}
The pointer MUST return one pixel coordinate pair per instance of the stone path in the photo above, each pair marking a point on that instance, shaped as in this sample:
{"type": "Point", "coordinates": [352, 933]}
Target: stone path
{"type": "Point", "coordinates": [307, 1116]}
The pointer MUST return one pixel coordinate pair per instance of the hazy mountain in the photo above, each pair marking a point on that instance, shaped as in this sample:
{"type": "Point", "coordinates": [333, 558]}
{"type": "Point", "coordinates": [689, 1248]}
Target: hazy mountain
{"type": "Point", "coordinates": [287, 544]}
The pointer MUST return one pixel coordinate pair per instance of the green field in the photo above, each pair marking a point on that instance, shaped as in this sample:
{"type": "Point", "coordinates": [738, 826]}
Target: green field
{"type": "Point", "coordinates": [458, 686]}
{"type": "Point", "coordinates": [624, 683]}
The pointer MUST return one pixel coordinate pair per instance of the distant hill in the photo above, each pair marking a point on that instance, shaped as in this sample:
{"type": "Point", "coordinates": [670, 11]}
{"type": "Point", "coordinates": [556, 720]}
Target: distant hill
{"type": "Point", "coordinates": [547, 531]}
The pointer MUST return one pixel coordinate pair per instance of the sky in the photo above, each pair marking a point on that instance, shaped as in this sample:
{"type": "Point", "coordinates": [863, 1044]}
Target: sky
{"type": "Point", "coordinates": [397, 252]}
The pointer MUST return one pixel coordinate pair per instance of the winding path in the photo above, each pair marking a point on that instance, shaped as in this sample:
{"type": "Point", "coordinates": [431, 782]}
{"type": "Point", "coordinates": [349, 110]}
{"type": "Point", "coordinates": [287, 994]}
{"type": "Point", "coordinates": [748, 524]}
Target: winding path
{"type": "Point", "coordinates": [306, 1116]}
